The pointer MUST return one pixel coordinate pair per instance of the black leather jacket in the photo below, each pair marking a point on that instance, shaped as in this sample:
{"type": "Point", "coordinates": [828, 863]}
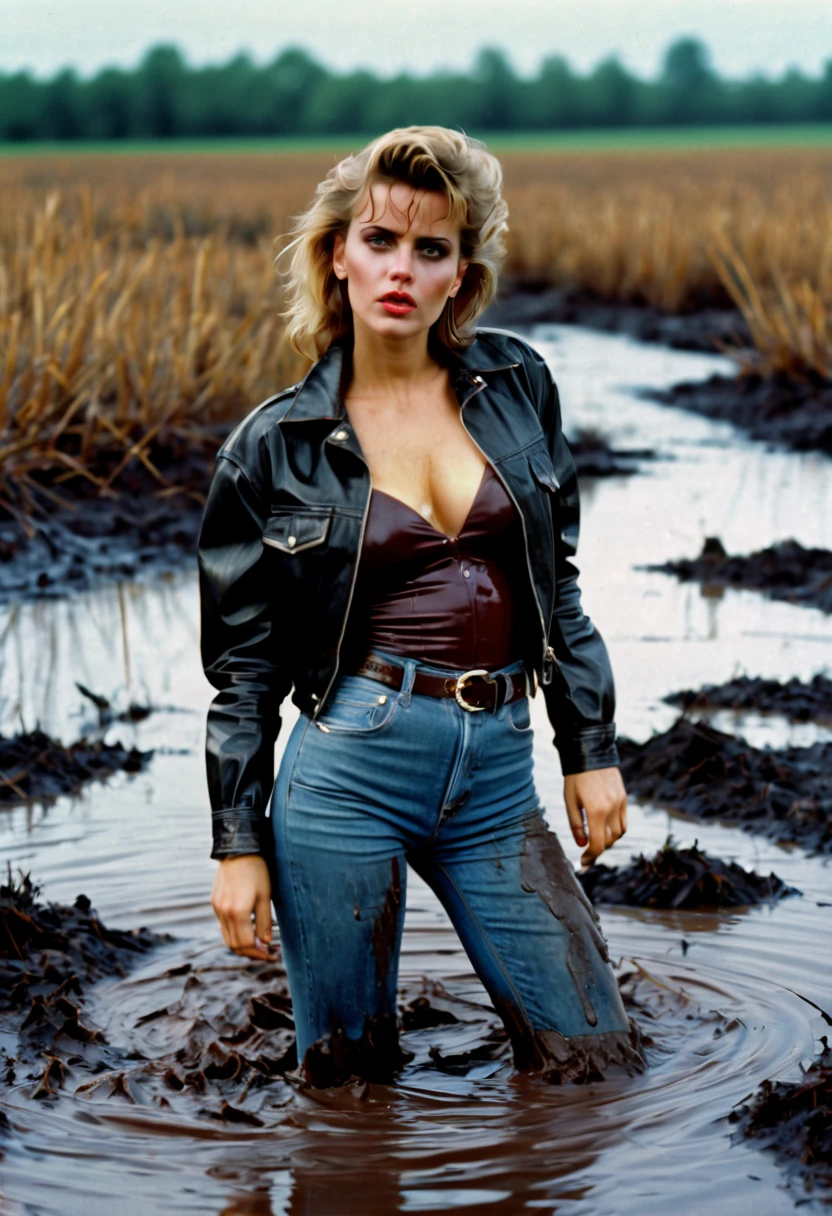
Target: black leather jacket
{"type": "Point", "coordinates": [278, 552]}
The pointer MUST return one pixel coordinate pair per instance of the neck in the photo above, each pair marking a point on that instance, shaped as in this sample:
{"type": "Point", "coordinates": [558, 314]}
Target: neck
{"type": "Point", "coordinates": [389, 367]}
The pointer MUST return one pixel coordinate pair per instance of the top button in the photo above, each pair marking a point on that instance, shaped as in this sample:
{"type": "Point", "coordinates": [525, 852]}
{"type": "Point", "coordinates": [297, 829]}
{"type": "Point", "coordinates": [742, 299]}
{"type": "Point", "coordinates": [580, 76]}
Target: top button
{"type": "Point", "coordinates": [340, 435]}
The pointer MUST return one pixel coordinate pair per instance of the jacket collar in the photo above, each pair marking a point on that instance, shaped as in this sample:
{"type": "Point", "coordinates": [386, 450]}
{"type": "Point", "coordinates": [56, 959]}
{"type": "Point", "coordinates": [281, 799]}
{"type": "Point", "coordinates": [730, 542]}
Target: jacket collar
{"type": "Point", "coordinates": [320, 393]}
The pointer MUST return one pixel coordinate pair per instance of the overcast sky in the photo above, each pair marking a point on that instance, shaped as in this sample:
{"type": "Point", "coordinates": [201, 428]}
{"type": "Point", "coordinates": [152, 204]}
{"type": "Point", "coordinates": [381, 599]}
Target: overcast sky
{"type": "Point", "coordinates": [744, 35]}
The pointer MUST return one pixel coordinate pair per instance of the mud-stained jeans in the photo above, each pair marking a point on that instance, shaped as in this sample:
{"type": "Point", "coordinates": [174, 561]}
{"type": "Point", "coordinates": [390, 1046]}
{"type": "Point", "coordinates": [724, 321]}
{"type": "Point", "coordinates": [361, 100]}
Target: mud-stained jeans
{"type": "Point", "coordinates": [385, 778]}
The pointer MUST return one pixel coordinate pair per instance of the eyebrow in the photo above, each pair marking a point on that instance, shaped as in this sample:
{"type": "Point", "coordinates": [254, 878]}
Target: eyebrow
{"type": "Point", "coordinates": [431, 240]}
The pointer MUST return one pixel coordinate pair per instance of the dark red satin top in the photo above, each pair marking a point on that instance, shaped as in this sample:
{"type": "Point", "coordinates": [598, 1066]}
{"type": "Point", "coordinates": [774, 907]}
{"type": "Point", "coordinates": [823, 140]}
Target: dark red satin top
{"type": "Point", "coordinates": [447, 600]}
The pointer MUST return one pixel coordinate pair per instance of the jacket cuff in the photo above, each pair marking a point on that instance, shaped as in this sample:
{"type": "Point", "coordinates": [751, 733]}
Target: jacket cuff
{"type": "Point", "coordinates": [591, 748]}
{"type": "Point", "coordinates": [237, 832]}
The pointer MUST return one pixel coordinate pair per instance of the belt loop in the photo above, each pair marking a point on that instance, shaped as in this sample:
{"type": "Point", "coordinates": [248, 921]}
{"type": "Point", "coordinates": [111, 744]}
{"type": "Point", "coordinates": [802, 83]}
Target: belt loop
{"type": "Point", "coordinates": [407, 682]}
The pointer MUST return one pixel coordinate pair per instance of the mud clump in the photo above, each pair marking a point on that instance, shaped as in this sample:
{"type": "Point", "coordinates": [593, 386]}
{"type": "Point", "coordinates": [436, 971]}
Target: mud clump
{"type": "Point", "coordinates": [794, 700]}
{"type": "Point", "coordinates": [33, 765]}
{"type": "Point", "coordinates": [784, 571]}
{"type": "Point", "coordinates": [681, 878]}
{"type": "Point", "coordinates": [50, 955]}
{"type": "Point", "coordinates": [784, 794]}
{"type": "Point", "coordinates": [230, 1033]}
{"type": "Point", "coordinates": [793, 1120]}
{"type": "Point", "coordinates": [339, 1060]}
{"type": "Point", "coordinates": [65, 537]}
{"type": "Point", "coordinates": [783, 410]}
{"type": "Point", "coordinates": [594, 457]}
{"type": "Point", "coordinates": [706, 318]}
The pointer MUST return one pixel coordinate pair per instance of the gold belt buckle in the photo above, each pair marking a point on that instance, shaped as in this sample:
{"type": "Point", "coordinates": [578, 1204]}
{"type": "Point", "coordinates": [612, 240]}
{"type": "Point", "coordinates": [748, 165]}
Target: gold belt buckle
{"type": "Point", "coordinates": [464, 679]}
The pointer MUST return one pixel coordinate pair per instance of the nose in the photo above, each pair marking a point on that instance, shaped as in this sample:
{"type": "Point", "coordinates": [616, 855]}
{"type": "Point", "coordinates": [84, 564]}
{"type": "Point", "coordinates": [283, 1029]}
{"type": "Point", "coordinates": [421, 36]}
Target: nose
{"type": "Point", "coordinates": [402, 269]}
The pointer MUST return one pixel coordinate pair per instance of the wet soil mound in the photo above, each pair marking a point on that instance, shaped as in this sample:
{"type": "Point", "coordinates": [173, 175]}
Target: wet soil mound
{"type": "Point", "coordinates": [100, 541]}
{"type": "Point", "coordinates": [50, 956]}
{"type": "Point", "coordinates": [784, 571]}
{"type": "Point", "coordinates": [33, 765]}
{"type": "Point", "coordinates": [710, 318]}
{"type": "Point", "coordinates": [782, 410]}
{"type": "Point", "coordinates": [594, 457]}
{"type": "Point", "coordinates": [681, 878]}
{"type": "Point", "coordinates": [793, 1120]}
{"type": "Point", "coordinates": [784, 794]}
{"type": "Point", "coordinates": [60, 537]}
{"type": "Point", "coordinates": [794, 700]}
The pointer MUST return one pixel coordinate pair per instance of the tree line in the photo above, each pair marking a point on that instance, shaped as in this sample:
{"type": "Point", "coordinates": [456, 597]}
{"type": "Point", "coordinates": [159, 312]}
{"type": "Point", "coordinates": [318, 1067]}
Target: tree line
{"type": "Point", "coordinates": [164, 98]}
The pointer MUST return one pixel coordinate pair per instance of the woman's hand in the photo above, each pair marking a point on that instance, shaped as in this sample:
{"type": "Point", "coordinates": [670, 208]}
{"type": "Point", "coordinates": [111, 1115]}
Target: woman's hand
{"type": "Point", "coordinates": [601, 795]}
{"type": "Point", "coordinates": [242, 886]}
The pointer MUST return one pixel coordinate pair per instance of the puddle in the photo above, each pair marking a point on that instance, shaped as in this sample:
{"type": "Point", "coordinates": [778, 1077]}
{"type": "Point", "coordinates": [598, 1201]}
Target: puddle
{"type": "Point", "coordinates": [719, 993]}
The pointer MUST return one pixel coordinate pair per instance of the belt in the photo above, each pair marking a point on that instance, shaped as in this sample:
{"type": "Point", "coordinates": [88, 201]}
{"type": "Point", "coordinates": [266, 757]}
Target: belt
{"type": "Point", "coordinates": [483, 690]}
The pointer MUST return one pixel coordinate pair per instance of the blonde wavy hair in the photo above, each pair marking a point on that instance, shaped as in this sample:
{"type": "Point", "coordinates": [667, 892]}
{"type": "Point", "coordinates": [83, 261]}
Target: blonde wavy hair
{"type": "Point", "coordinates": [427, 158]}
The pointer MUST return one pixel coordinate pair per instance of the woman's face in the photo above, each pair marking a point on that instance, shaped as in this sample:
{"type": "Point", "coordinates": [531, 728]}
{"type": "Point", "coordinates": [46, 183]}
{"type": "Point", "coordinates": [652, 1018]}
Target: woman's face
{"type": "Point", "coordinates": [399, 272]}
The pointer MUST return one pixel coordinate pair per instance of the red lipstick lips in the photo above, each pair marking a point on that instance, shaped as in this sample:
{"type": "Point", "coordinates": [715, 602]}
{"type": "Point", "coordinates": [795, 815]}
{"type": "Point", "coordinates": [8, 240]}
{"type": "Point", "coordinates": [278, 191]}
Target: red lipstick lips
{"type": "Point", "coordinates": [398, 303]}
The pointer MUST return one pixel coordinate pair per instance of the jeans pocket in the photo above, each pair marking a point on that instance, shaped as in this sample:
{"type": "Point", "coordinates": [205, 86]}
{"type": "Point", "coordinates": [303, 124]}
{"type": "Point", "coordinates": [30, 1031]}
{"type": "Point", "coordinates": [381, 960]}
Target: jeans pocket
{"type": "Point", "coordinates": [358, 706]}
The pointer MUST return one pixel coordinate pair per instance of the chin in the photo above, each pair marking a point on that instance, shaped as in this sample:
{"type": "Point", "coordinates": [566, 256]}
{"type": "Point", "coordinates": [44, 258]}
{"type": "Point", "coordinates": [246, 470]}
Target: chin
{"type": "Point", "coordinates": [395, 327]}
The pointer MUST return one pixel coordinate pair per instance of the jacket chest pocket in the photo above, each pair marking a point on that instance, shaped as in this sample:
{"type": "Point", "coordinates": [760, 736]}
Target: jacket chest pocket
{"type": "Point", "coordinates": [294, 531]}
{"type": "Point", "coordinates": [543, 470]}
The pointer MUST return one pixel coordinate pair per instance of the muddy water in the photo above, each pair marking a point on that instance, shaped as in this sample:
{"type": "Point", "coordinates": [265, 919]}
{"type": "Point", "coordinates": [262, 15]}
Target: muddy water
{"type": "Point", "coordinates": [723, 996]}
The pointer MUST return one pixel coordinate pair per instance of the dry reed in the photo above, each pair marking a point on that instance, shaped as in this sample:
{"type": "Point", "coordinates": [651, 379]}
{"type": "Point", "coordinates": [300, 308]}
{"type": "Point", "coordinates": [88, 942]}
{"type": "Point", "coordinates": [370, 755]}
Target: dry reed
{"type": "Point", "coordinates": [139, 301]}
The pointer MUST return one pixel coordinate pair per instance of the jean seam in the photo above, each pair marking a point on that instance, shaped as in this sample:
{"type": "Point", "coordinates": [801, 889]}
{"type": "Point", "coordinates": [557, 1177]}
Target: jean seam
{"type": "Point", "coordinates": [491, 947]}
{"type": "Point", "coordinates": [295, 894]}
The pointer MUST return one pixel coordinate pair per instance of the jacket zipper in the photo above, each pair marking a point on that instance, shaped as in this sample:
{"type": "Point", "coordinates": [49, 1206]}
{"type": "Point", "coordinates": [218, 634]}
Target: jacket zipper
{"type": "Point", "coordinates": [322, 700]}
{"type": "Point", "coordinates": [548, 652]}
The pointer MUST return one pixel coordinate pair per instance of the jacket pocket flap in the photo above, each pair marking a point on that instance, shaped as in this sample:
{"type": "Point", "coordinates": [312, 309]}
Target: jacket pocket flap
{"type": "Point", "coordinates": [291, 532]}
{"type": "Point", "coordinates": [543, 470]}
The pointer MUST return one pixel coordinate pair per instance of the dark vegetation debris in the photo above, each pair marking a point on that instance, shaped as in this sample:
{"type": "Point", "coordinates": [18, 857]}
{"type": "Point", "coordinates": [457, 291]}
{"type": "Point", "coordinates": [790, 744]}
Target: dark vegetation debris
{"type": "Point", "coordinates": [783, 793]}
{"type": "Point", "coordinates": [781, 409]}
{"type": "Point", "coordinates": [793, 1120]}
{"type": "Point", "coordinates": [784, 571]}
{"type": "Point", "coordinates": [794, 700]}
{"type": "Point", "coordinates": [33, 765]}
{"type": "Point", "coordinates": [107, 714]}
{"type": "Point", "coordinates": [680, 878]}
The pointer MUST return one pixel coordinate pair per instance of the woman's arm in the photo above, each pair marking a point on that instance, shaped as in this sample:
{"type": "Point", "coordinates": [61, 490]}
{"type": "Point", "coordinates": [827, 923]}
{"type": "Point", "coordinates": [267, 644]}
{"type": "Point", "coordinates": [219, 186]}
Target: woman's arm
{"type": "Point", "coordinates": [241, 645]}
{"type": "Point", "coordinates": [580, 700]}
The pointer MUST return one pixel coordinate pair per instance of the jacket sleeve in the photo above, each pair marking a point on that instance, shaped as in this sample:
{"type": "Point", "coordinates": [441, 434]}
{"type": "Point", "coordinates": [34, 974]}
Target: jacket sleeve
{"type": "Point", "coordinates": [239, 644]}
{"type": "Point", "coordinates": [580, 700]}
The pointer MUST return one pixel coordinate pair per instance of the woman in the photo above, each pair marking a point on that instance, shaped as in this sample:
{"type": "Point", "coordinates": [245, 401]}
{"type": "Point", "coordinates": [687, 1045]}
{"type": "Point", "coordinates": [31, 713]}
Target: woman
{"type": "Point", "coordinates": [392, 537]}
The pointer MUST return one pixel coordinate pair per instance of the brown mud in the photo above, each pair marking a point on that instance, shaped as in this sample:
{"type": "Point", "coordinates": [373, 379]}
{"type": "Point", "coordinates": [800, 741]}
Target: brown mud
{"type": "Point", "coordinates": [793, 1120]}
{"type": "Point", "coordinates": [784, 793]}
{"type": "Point", "coordinates": [783, 571]}
{"type": "Point", "coordinates": [228, 1043]}
{"type": "Point", "coordinates": [794, 700]}
{"type": "Point", "coordinates": [33, 765]}
{"type": "Point", "coordinates": [681, 878]}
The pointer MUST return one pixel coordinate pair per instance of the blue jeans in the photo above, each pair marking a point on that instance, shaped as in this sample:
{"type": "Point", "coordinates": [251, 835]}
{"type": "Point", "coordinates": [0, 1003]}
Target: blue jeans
{"type": "Point", "coordinates": [386, 778]}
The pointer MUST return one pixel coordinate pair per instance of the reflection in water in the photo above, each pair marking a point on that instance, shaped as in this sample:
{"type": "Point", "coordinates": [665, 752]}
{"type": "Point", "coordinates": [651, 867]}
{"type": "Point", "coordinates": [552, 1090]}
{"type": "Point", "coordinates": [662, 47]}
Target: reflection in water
{"type": "Point", "coordinates": [719, 994]}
